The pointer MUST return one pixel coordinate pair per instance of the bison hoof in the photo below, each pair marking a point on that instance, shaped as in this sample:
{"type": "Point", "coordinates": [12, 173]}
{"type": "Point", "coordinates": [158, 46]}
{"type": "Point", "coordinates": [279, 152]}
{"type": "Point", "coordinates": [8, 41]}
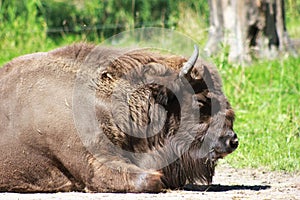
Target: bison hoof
{"type": "Point", "coordinates": [149, 182]}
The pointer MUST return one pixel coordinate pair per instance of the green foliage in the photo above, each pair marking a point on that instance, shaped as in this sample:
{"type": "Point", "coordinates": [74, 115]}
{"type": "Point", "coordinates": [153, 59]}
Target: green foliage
{"type": "Point", "coordinates": [96, 18]}
{"type": "Point", "coordinates": [21, 28]}
{"type": "Point", "coordinates": [40, 25]}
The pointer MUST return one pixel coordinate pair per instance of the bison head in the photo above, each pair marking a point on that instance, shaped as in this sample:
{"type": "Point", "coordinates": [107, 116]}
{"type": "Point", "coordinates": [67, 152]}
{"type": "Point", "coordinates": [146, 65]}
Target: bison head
{"type": "Point", "coordinates": [215, 127]}
{"type": "Point", "coordinates": [207, 119]}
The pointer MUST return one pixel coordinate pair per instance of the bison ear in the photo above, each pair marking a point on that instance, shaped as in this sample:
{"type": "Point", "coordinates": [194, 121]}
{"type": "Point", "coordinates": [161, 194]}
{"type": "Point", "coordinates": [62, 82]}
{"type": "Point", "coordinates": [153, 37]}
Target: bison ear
{"type": "Point", "coordinates": [208, 79]}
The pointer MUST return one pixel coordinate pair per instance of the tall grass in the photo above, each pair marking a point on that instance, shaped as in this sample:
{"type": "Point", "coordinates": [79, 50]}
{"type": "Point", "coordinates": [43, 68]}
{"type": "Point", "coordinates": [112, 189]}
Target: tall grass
{"type": "Point", "coordinates": [22, 30]}
{"type": "Point", "coordinates": [266, 97]}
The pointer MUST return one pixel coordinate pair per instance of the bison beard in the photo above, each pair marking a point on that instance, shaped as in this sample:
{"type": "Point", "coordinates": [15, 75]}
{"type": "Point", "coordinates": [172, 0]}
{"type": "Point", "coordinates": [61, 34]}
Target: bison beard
{"type": "Point", "coordinates": [161, 121]}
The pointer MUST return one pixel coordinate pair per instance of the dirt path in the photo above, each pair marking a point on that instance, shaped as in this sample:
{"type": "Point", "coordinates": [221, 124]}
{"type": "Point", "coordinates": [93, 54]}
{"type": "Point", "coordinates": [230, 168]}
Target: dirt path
{"type": "Point", "coordinates": [229, 183]}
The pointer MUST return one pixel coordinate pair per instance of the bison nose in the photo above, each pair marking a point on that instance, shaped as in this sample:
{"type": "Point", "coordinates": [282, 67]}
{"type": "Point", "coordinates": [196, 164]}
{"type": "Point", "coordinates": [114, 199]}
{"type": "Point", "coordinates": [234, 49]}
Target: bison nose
{"type": "Point", "coordinates": [233, 142]}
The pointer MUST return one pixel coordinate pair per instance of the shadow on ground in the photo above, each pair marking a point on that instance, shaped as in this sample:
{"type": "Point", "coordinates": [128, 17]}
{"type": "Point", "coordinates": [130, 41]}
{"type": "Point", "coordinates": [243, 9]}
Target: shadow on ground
{"type": "Point", "coordinates": [225, 188]}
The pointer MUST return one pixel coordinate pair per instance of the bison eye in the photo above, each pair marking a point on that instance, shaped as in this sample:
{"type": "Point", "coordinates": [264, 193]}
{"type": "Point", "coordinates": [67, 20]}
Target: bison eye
{"type": "Point", "coordinates": [208, 104]}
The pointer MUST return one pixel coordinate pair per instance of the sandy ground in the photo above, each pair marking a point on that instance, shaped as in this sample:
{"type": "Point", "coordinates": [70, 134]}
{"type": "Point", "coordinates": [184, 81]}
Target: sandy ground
{"type": "Point", "coordinates": [229, 183]}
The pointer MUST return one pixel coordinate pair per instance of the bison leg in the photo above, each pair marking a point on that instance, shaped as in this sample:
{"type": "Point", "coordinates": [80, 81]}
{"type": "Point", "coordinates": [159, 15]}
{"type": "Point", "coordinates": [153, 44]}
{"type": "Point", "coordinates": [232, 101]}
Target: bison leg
{"type": "Point", "coordinates": [118, 176]}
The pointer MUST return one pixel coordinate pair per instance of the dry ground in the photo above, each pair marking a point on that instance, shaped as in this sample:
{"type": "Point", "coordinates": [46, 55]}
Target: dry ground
{"type": "Point", "coordinates": [229, 183]}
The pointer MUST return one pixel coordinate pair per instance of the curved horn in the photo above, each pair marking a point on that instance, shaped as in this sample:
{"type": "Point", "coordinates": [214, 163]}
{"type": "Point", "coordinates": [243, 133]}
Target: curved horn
{"type": "Point", "coordinates": [188, 66]}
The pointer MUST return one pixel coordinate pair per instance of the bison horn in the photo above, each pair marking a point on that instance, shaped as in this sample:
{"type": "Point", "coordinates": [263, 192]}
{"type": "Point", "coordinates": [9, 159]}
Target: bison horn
{"type": "Point", "coordinates": [188, 66]}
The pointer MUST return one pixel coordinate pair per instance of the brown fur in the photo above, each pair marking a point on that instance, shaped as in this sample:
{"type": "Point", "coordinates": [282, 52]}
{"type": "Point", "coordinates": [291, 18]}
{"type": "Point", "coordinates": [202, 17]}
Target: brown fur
{"type": "Point", "coordinates": [41, 151]}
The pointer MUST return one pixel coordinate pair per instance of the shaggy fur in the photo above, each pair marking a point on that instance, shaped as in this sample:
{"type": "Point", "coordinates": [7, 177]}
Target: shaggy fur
{"type": "Point", "coordinates": [150, 124]}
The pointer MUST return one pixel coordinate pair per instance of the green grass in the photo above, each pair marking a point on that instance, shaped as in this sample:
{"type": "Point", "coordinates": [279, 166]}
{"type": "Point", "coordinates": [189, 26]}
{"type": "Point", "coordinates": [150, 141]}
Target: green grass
{"type": "Point", "coordinates": [266, 98]}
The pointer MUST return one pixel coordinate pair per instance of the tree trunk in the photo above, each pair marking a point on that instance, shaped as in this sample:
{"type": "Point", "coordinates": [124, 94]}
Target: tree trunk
{"type": "Point", "coordinates": [248, 25]}
{"type": "Point", "coordinates": [216, 26]}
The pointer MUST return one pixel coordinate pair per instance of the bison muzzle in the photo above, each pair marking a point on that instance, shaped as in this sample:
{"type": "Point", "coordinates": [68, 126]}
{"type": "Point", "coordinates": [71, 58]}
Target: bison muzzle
{"type": "Point", "coordinates": [100, 119]}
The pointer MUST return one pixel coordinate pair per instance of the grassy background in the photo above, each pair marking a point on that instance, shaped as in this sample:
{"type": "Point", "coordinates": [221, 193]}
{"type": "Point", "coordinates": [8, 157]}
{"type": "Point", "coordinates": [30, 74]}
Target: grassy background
{"type": "Point", "coordinates": [265, 95]}
{"type": "Point", "coordinates": [266, 98]}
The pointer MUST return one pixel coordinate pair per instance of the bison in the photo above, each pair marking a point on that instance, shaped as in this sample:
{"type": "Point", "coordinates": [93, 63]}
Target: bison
{"type": "Point", "coordinates": [103, 119]}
